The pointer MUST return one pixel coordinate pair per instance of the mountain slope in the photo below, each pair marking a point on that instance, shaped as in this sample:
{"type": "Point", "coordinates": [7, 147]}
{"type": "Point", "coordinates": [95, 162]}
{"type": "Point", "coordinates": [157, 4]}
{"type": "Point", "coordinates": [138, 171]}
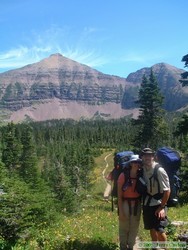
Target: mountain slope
{"type": "Point", "coordinates": [57, 87]}
{"type": "Point", "coordinates": [168, 77]}
{"type": "Point", "coordinates": [58, 109]}
{"type": "Point", "coordinates": [57, 69]}
{"type": "Point", "coordinates": [61, 78]}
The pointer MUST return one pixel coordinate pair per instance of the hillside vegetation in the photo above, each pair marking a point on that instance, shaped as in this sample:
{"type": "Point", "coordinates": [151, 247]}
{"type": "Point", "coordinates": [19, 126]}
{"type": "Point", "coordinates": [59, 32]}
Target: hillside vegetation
{"type": "Point", "coordinates": [95, 226]}
{"type": "Point", "coordinates": [52, 185]}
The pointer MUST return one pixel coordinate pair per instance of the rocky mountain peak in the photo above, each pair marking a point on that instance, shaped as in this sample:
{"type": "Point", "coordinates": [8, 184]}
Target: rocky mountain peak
{"type": "Point", "coordinates": [58, 84]}
{"type": "Point", "coordinates": [164, 67]}
{"type": "Point", "coordinates": [58, 61]}
{"type": "Point", "coordinates": [168, 78]}
{"type": "Point", "coordinates": [57, 69]}
{"type": "Point", "coordinates": [161, 70]}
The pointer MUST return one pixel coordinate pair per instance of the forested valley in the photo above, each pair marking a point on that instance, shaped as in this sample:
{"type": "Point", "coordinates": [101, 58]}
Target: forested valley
{"type": "Point", "coordinates": [46, 169]}
{"type": "Point", "coordinates": [49, 171]}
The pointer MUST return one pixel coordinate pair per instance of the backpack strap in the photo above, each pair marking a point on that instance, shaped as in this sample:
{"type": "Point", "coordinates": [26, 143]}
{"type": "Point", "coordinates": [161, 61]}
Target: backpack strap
{"type": "Point", "coordinates": [112, 203]}
{"type": "Point", "coordinates": [127, 181]}
{"type": "Point", "coordinates": [155, 176]}
{"type": "Point", "coordinates": [130, 208]}
{"type": "Point", "coordinates": [136, 200]}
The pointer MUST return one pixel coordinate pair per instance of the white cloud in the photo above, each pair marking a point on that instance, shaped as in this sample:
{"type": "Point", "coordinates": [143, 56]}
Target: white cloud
{"type": "Point", "coordinates": [90, 58]}
{"type": "Point", "coordinates": [54, 40]}
{"type": "Point", "coordinates": [21, 56]}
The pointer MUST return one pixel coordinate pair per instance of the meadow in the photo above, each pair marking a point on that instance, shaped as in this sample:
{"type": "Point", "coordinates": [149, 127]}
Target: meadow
{"type": "Point", "coordinates": [95, 226]}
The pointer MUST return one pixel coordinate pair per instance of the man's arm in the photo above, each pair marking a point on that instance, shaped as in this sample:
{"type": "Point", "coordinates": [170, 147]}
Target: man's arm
{"type": "Point", "coordinates": [160, 212]}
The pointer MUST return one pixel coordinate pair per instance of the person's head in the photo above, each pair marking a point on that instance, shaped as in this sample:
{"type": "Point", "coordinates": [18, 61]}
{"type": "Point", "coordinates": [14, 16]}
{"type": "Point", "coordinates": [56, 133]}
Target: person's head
{"type": "Point", "coordinates": [135, 162]}
{"type": "Point", "coordinates": [147, 155]}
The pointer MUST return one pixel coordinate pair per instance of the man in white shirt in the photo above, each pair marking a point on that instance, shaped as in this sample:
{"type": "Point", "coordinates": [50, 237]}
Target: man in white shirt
{"type": "Point", "coordinates": [158, 192]}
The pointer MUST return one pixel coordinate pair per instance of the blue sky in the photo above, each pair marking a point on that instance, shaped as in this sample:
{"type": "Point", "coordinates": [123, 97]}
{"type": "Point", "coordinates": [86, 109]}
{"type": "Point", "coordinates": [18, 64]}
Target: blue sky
{"type": "Point", "coordinates": [116, 37]}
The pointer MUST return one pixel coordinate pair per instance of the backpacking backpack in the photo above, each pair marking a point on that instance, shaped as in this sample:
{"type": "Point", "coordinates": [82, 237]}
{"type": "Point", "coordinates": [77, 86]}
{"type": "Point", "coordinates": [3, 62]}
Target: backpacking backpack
{"type": "Point", "coordinates": [120, 160]}
{"type": "Point", "coordinates": [170, 160]}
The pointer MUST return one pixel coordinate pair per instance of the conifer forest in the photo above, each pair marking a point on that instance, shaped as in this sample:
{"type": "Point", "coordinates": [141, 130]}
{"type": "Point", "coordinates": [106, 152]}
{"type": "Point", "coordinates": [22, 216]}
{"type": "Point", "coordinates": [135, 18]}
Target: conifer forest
{"type": "Point", "coordinates": [46, 167]}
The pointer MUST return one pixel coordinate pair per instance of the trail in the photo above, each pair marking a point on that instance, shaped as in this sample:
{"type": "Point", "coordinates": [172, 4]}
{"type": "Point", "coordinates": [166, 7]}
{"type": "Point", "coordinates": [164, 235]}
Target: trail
{"type": "Point", "coordinates": [107, 190]}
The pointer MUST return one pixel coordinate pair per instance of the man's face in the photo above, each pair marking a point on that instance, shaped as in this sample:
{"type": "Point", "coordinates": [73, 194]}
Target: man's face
{"type": "Point", "coordinates": [147, 160]}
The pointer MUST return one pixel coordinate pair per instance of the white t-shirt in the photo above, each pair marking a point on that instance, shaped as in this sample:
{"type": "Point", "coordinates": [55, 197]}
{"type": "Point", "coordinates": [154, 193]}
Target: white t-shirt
{"type": "Point", "coordinates": [153, 186]}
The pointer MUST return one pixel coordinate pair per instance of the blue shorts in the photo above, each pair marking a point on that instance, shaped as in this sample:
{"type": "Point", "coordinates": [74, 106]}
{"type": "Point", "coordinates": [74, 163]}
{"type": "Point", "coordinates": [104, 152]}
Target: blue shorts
{"type": "Point", "coordinates": [151, 221]}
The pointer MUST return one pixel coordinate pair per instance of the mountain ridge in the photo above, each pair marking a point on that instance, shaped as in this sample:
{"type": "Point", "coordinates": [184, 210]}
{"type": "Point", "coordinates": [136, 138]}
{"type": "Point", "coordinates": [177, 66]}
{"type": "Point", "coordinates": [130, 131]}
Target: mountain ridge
{"type": "Point", "coordinates": [64, 83]}
{"type": "Point", "coordinates": [54, 64]}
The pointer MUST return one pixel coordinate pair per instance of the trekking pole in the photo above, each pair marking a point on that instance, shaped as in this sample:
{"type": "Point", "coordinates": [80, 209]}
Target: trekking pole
{"type": "Point", "coordinates": [112, 204]}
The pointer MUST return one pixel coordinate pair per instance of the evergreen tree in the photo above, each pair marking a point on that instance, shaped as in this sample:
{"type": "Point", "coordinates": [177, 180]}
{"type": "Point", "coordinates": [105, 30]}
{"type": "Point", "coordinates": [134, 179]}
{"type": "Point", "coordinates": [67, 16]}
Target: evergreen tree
{"type": "Point", "coordinates": [151, 126]}
{"type": "Point", "coordinates": [63, 189]}
{"type": "Point", "coordinates": [182, 129]}
{"type": "Point", "coordinates": [28, 159]}
{"type": "Point", "coordinates": [182, 133]}
{"type": "Point", "coordinates": [11, 147]}
{"type": "Point", "coordinates": [184, 76]}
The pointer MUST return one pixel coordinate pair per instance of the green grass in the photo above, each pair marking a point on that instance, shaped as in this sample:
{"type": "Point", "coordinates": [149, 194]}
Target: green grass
{"type": "Point", "coordinates": [95, 227]}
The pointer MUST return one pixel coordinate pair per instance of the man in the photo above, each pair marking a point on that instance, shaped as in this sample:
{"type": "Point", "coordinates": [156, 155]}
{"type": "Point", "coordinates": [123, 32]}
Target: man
{"type": "Point", "coordinates": [154, 203]}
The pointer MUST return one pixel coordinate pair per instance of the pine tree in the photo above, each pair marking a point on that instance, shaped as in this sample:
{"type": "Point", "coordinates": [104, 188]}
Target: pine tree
{"type": "Point", "coordinates": [184, 76]}
{"type": "Point", "coordinates": [182, 132]}
{"type": "Point", "coordinates": [151, 125]}
{"type": "Point", "coordinates": [182, 128]}
{"type": "Point", "coordinates": [28, 159]}
{"type": "Point", "coordinates": [11, 147]}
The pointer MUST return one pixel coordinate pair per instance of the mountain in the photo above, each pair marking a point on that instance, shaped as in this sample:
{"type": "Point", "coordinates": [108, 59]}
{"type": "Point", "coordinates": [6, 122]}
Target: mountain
{"type": "Point", "coordinates": [168, 77]}
{"type": "Point", "coordinates": [57, 70]}
{"type": "Point", "coordinates": [58, 87]}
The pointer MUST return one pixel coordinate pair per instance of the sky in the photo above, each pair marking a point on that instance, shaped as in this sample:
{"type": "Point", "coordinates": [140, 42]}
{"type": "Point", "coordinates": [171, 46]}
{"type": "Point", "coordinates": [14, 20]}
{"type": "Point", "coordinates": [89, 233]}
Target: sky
{"type": "Point", "coordinates": [116, 37]}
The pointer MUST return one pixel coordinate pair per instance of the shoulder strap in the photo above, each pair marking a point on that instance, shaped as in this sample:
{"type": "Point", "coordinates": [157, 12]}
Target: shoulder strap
{"type": "Point", "coordinates": [155, 176]}
{"type": "Point", "coordinates": [157, 166]}
{"type": "Point", "coordinates": [127, 181]}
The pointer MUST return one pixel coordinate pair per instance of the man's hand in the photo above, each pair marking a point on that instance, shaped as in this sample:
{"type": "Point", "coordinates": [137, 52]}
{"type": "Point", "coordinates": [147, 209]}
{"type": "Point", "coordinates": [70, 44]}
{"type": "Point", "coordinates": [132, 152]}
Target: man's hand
{"type": "Point", "coordinates": [160, 213]}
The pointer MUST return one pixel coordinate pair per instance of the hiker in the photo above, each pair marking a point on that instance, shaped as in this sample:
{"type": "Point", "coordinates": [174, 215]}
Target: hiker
{"type": "Point", "coordinates": [154, 203]}
{"type": "Point", "coordinates": [129, 204]}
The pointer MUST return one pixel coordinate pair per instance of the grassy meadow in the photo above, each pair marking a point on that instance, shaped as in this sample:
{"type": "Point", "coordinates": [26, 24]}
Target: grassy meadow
{"type": "Point", "coordinates": [95, 226]}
